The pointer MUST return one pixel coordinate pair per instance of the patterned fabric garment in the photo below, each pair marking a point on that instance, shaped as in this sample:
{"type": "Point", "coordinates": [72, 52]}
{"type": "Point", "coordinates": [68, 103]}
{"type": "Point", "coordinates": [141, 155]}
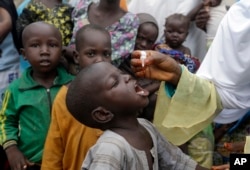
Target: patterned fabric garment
{"type": "Point", "coordinates": [60, 16]}
{"type": "Point", "coordinates": [123, 32]}
{"type": "Point", "coordinates": [192, 63]}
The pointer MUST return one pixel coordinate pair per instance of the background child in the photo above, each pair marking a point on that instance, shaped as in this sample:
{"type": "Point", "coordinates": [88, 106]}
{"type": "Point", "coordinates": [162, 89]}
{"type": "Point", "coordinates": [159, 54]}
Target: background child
{"type": "Point", "coordinates": [25, 115]}
{"type": "Point", "coordinates": [176, 31]}
{"type": "Point", "coordinates": [147, 32]}
{"type": "Point", "coordinates": [122, 25]}
{"type": "Point", "coordinates": [112, 105]}
{"type": "Point", "coordinates": [68, 140]}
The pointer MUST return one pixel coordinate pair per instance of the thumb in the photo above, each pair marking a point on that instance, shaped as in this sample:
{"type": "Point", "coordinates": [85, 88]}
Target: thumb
{"type": "Point", "coordinates": [136, 54]}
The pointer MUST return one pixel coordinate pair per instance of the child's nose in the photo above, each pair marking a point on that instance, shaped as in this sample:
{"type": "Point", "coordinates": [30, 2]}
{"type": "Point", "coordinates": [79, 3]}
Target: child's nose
{"type": "Point", "coordinates": [144, 44]}
{"type": "Point", "coordinates": [44, 49]}
{"type": "Point", "coordinates": [99, 58]}
{"type": "Point", "coordinates": [127, 77]}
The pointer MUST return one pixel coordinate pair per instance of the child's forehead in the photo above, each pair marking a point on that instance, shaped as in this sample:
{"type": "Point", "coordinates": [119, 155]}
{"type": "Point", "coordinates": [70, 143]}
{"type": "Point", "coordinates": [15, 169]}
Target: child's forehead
{"type": "Point", "coordinates": [104, 70]}
{"type": "Point", "coordinates": [97, 34]}
{"type": "Point", "coordinates": [41, 29]}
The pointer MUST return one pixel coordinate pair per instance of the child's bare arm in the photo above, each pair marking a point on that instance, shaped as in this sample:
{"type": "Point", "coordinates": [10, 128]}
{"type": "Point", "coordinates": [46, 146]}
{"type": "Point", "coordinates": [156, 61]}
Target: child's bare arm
{"type": "Point", "coordinates": [5, 23]}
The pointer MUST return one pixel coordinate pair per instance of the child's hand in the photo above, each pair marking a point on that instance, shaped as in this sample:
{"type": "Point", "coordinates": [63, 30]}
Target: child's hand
{"type": "Point", "coordinates": [157, 66]}
{"type": "Point", "coordinates": [16, 159]}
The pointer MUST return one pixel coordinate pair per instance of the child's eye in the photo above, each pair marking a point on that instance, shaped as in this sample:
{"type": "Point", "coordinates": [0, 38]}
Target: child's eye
{"type": "Point", "coordinates": [53, 45]}
{"type": "Point", "coordinates": [90, 54]}
{"type": "Point", "coordinates": [140, 38]}
{"type": "Point", "coordinates": [34, 45]}
{"type": "Point", "coordinates": [107, 54]}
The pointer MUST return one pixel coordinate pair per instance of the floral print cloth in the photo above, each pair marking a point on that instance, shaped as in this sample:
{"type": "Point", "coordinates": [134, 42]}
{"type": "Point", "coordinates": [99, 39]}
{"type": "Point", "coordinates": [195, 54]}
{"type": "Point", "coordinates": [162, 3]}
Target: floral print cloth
{"type": "Point", "coordinates": [123, 32]}
{"type": "Point", "coordinates": [60, 16]}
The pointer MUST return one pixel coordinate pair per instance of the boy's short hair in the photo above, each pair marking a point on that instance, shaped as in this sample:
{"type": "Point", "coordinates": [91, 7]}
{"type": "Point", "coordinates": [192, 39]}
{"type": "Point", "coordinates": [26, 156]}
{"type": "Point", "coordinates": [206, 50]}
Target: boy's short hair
{"type": "Point", "coordinates": [24, 32]}
{"type": "Point", "coordinates": [177, 16]}
{"type": "Point", "coordinates": [80, 34]}
{"type": "Point", "coordinates": [80, 98]}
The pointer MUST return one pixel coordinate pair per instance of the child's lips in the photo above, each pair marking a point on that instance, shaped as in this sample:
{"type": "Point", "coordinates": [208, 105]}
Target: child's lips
{"type": "Point", "coordinates": [141, 91]}
{"type": "Point", "coordinates": [44, 62]}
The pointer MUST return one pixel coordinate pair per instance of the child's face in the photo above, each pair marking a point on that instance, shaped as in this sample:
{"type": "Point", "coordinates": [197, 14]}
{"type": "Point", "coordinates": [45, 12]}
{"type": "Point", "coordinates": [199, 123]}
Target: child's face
{"type": "Point", "coordinates": [42, 48]}
{"type": "Point", "coordinates": [146, 37]}
{"type": "Point", "coordinates": [95, 48]}
{"type": "Point", "coordinates": [175, 33]}
{"type": "Point", "coordinates": [117, 91]}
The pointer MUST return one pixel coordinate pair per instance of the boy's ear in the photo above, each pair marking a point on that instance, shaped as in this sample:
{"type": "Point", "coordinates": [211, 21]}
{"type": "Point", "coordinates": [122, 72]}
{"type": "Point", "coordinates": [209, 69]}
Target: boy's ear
{"type": "Point", "coordinates": [76, 56]}
{"type": "Point", "coordinates": [22, 51]}
{"type": "Point", "coordinates": [102, 115]}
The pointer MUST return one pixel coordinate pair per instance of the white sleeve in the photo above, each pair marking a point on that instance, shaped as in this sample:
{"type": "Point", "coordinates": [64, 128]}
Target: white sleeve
{"type": "Point", "coordinates": [227, 62]}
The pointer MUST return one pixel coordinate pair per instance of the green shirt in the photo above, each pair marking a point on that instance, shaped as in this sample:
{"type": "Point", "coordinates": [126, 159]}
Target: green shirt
{"type": "Point", "coordinates": [25, 114]}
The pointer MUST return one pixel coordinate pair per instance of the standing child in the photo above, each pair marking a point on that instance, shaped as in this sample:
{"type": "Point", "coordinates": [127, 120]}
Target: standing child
{"type": "Point", "coordinates": [122, 25]}
{"type": "Point", "coordinates": [68, 140]}
{"type": "Point", "coordinates": [112, 105]}
{"type": "Point", "coordinates": [25, 115]}
{"type": "Point", "coordinates": [176, 31]}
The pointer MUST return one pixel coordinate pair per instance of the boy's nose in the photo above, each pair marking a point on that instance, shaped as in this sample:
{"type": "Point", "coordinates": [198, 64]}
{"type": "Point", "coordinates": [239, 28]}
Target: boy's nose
{"type": "Point", "coordinates": [44, 49]}
{"type": "Point", "coordinates": [144, 44]}
{"type": "Point", "coordinates": [126, 77]}
{"type": "Point", "coordinates": [99, 58]}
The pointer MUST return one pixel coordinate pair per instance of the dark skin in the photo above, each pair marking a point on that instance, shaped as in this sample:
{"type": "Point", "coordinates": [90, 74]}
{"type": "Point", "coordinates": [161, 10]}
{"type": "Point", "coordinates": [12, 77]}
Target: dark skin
{"type": "Point", "coordinates": [5, 23]}
{"type": "Point", "coordinates": [109, 92]}
{"type": "Point", "coordinates": [201, 14]}
{"type": "Point", "coordinates": [105, 13]}
{"type": "Point", "coordinates": [112, 111]}
{"type": "Point", "coordinates": [146, 37]}
{"type": "Point", "coordinates": [94, 49]}
{"type": "Point", "coordinates": [176, 32]}
{"type": "Point", "coordinates": [158, 66]}
{"type": "Point", "coordinates": [42, 48]}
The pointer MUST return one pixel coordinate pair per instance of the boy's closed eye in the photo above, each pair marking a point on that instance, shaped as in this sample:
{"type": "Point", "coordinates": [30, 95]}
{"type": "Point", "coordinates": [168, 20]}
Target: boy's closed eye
{"type": "Point", "coordinates": [115, 82]}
